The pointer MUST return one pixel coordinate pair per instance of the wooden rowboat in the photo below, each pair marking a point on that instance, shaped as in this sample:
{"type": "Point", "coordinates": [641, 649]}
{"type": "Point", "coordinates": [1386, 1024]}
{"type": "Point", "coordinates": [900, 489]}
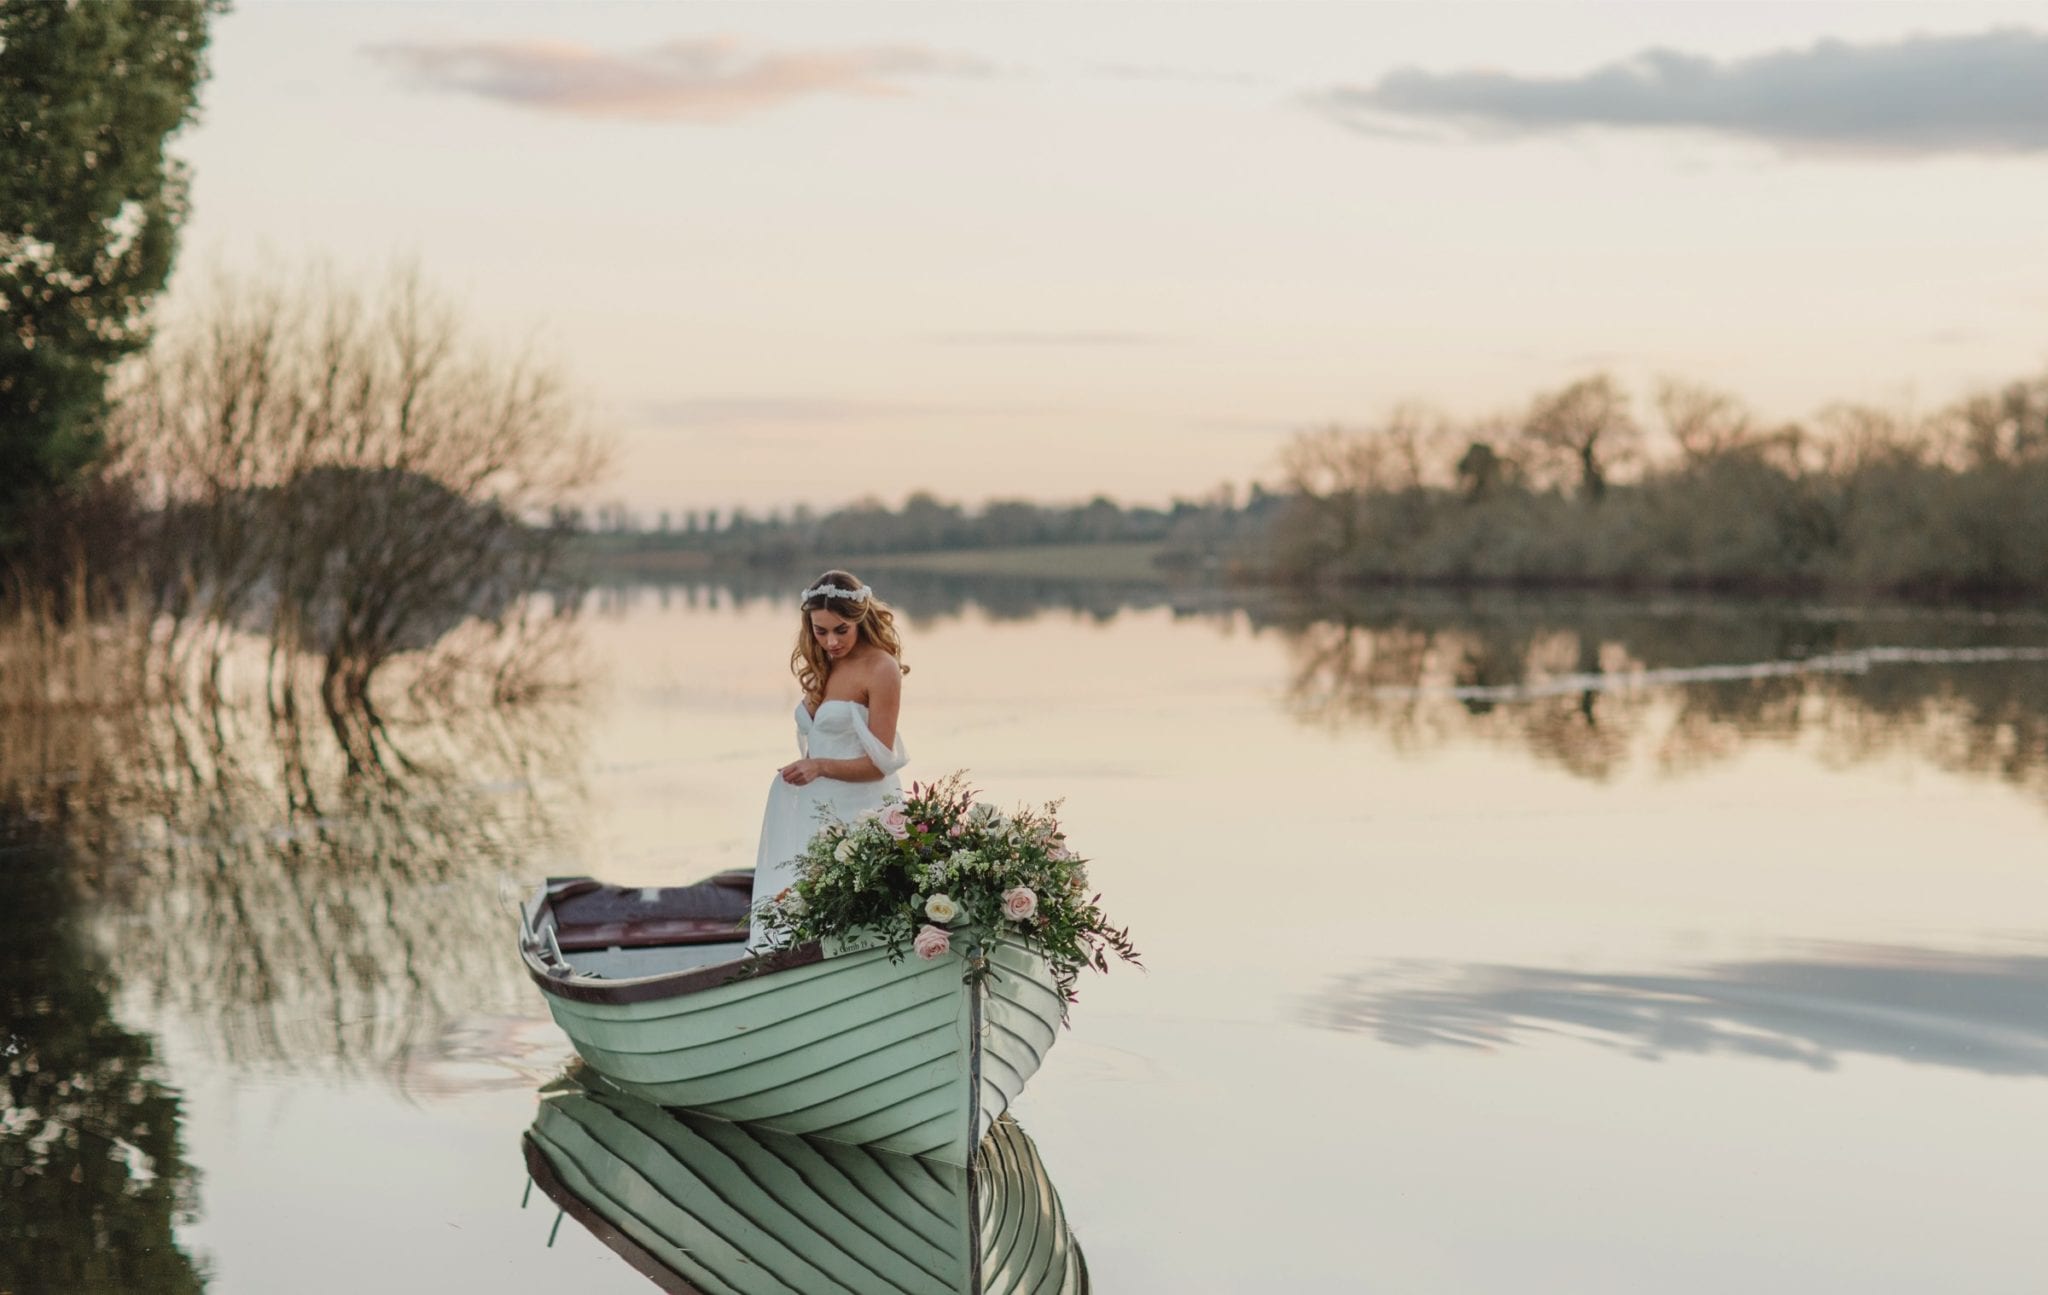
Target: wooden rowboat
{"type": "Point", "coordinates": [703, 1207]}
{"type": "Point", "coordinates": [657, 992]}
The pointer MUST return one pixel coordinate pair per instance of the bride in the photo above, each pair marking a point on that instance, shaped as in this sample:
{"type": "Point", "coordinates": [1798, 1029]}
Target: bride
{"type": "Point", "coordinates": [847, 659]}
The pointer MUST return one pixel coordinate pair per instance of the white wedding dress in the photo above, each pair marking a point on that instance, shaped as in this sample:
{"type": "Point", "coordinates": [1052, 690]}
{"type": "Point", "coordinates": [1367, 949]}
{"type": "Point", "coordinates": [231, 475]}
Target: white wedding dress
{"type": "Point", "coordinates": [794, 814]}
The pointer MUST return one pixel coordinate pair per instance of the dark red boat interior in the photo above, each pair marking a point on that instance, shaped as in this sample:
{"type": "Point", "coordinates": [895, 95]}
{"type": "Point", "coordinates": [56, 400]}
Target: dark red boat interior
{"type": "Point", "coordinates": [592, 915]}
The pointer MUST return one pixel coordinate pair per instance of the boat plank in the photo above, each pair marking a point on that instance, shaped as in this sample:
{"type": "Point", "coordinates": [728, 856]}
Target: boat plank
{"type": "Point", "coordinates": [772, 1051]}
{"type": "Point", "coordinates": [710, 1179]}
{"type": "Point", "coordinates": [706, 1243]}
{"type": "Point", "coordinates": [799, 989]}
{"type": "Point", "coordinates": [707, 1207]}
{"type": "Point", "coordinates": [846, 1208]}
{"type": "Point", "coordinates": [810, 1078]}
{"type": "Point", "coordinates": [801, 1109]}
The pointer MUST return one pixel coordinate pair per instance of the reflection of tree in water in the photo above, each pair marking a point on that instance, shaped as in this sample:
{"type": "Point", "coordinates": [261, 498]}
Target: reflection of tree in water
{"type": "Point", "coordinates": [1578, 680]}
{"type": "Point", "coordinates": [1595, 687]}
{"type": "Point", "coordinates": [929, 596]}
{"type": "Point", "coordinates": [1978, 1012]}
{"type": "Point", "coordinates": [315, 892]}
{"type": "Point", "coordinates": [1401, 677]}
{"type": "Point", "coordinates": [93, 1178]}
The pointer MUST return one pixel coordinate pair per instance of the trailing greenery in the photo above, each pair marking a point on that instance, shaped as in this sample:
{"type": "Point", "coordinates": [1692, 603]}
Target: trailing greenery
{"type": "Point", "coordinates": [90, 205]}
{"type": "Point", "coordinates": [937, 867]}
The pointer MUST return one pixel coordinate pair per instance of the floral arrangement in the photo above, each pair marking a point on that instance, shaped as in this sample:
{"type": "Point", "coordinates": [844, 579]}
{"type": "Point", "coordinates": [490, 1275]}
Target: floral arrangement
{"type": "Point", "coordinates": [935, 871]}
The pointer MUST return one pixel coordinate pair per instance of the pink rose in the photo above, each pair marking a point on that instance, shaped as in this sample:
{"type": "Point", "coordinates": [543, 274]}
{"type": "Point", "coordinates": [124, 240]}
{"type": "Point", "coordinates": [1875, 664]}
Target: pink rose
{"type": "Point", "coordinates": [1019, 903]}
{"type": "Point", "coordinates": [958, 829]}
{"type": "Point", "coordinates": [931, 942]}
{"type": "Point", "coordinates": [895, 822]}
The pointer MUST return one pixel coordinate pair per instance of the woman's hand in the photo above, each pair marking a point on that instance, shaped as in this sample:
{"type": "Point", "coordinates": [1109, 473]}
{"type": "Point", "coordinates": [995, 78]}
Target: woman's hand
{"type": "Point", "coordinates": [802, 771]}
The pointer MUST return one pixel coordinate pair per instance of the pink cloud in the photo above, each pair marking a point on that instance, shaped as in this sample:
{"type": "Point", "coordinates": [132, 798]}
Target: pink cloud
{"type": "Point", "coordinates": [704, 79]}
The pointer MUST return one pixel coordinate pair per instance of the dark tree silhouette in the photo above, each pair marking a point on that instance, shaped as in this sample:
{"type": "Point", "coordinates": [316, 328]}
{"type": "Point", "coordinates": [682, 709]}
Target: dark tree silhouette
{"type": "Point", "coordinates": [90, 205]}
{"type": "Point", "coordinates": [93, 1178]}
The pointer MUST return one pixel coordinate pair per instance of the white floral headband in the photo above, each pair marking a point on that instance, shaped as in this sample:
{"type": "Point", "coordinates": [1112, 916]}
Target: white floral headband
{"type": "Point", "coordinates": [859, 595]}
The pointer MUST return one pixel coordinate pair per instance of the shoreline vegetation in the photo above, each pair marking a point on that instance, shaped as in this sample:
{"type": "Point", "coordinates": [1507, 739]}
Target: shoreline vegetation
{"type": "Point", "coordinates": [343, 473]}
{"type": "Point", "coordinates": [300, 485]}
{"type": "Point", "coordinates": [1574, 492]}
{"type": "Point", "coordinates": [1124, 562]}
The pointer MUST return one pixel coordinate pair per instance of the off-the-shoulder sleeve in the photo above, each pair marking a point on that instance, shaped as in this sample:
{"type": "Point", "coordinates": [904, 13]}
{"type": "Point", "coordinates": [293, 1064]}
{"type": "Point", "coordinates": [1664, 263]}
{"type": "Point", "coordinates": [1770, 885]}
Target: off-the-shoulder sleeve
{"type": "Point", "coordinates": [887, 759]}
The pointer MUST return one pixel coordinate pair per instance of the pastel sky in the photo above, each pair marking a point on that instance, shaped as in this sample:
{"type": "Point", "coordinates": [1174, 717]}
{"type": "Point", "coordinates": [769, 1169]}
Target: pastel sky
{"type": "Point", "coordinates": [807, 252]}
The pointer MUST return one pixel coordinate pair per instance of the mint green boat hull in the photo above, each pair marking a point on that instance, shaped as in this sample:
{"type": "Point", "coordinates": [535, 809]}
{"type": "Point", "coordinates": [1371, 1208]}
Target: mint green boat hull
{"type": "Point", "coordinates": [852, 1048]}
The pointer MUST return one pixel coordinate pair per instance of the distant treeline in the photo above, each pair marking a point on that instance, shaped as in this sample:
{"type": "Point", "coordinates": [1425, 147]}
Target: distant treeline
{"type": "Point", "coordinates": [1189, 530]}
{"type": "Point", "coordinates": [1575, 489]}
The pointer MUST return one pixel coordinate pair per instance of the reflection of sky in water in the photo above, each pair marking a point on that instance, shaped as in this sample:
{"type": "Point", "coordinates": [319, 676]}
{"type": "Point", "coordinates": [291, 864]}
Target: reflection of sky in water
{"type": "Point", "coordinates": [1987, 1014]}
{"type": "Point", "coordinates": [1836, 869]}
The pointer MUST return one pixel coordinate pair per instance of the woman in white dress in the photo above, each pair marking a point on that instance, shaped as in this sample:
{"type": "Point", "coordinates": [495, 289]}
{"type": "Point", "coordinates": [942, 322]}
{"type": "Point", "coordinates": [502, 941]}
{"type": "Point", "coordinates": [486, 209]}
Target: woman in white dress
{"type": "Point", "coordinates": [848, 660]}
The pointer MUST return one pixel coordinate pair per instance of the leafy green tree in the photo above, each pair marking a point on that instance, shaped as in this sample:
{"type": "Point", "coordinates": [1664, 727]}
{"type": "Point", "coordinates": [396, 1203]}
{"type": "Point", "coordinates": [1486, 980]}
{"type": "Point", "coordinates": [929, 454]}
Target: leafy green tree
{"type": "Point", "coordinates": [1480, 471]}
{"type": "Point", "coordinates": [90, 205]}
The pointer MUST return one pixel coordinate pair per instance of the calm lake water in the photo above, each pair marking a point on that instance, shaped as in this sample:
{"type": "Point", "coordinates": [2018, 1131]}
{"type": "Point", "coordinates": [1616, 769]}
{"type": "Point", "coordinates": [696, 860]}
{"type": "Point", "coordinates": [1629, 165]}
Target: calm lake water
{"type": "Point", "coordinates": [1492, 946]}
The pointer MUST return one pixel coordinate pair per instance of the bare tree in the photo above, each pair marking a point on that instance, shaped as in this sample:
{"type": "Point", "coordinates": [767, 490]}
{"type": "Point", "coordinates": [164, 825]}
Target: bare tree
{"type": "Point", "coordinates": [1587, 425]}
{"type": "Point", "coordinates": [347, 472]}
{"type": "Point", "coordinates": [2003, 427]}
{"type": "Point", "coordinates": [1856, 437]}
{"type": "Point", "coordinates": [1701, 421]}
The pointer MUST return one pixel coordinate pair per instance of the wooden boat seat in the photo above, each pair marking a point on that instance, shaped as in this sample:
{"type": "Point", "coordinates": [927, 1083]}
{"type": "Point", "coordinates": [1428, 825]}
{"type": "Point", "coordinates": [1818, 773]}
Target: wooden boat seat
{"type": "Point", "coordinates": [592, 915]}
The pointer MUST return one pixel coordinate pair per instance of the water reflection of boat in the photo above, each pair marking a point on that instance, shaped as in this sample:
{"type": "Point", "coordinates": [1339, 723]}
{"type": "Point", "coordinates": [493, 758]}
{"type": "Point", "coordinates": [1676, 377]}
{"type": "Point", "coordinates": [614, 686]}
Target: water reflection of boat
{"type": "Point", "coordinates": [704, 1206]}
{"type": "Point", "coordinates": [659, 996]}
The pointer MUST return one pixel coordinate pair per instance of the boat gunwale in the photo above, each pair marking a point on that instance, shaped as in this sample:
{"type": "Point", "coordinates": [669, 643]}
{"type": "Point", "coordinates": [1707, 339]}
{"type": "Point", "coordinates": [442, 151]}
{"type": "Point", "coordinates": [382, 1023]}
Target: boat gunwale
{"type": "Point", "coordinates": [671, 984]}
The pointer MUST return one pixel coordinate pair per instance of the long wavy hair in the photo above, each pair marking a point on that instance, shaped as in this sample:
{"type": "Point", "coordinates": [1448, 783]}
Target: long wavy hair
{"type": "Point", "coordinates": [874, 622]}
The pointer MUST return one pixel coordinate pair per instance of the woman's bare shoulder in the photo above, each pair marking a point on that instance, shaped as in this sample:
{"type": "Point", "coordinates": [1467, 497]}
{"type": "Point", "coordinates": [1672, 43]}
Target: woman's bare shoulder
{"type": "Point", "coordinates": [878, 670]}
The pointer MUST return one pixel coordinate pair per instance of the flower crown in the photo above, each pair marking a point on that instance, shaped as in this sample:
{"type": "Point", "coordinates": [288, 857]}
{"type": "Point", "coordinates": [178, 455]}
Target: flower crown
{"type": "Point", "coordinates": [859, 595]}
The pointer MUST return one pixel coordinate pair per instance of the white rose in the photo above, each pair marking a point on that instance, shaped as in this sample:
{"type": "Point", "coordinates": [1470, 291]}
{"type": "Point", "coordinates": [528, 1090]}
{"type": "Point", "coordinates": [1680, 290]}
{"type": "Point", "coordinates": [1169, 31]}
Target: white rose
{"type": "Point", "coordinates": [941, 908]}
{"type": "Point", "coordinates": [845, 850]}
